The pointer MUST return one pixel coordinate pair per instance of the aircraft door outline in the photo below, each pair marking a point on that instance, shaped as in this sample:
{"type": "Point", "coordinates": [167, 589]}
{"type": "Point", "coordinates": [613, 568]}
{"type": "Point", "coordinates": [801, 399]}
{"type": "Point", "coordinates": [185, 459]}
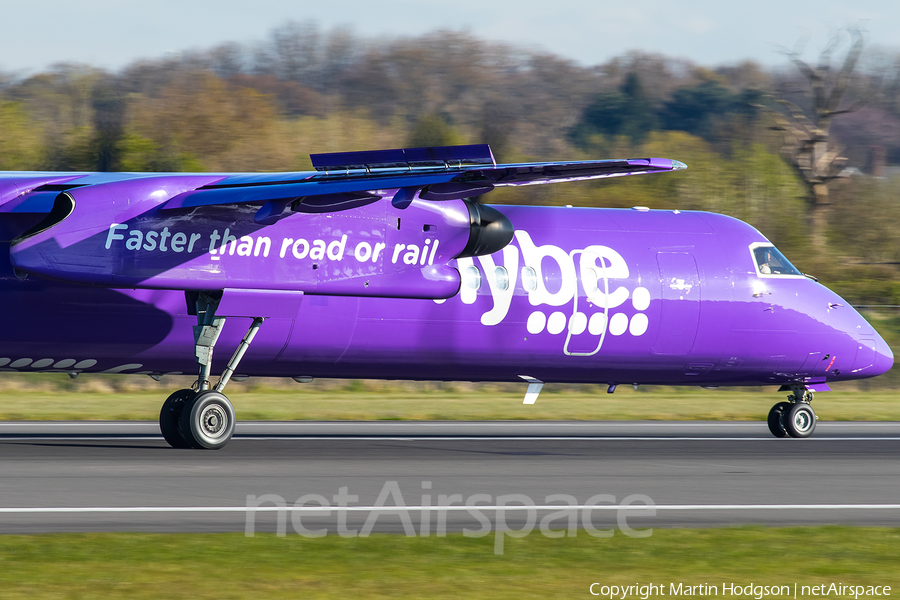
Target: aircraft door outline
{"type": "Point", "coordinates": [679, 318]}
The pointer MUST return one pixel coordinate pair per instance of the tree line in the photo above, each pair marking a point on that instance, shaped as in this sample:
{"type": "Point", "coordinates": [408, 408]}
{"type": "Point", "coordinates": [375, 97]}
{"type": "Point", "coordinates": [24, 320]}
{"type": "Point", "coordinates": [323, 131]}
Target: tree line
{"type": "Point", "coordinates": [266, 106]}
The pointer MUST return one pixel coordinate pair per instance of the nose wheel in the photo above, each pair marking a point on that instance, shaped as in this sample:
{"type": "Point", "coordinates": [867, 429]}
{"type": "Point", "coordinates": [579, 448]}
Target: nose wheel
{"type": "Point", "coordinates": [800, 420]}
{"type": "Point", "coordinates": [795, 418]}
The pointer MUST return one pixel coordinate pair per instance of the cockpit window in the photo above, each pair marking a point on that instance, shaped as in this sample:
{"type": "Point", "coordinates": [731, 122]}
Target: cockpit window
{"type": "Point", "coordinates": [770, 261]}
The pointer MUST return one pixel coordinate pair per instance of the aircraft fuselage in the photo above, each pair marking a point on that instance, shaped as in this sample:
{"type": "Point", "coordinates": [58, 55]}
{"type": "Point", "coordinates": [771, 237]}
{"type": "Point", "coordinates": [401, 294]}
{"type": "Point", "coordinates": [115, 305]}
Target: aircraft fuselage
{"type": "Point", "coordinates": [579, 295]}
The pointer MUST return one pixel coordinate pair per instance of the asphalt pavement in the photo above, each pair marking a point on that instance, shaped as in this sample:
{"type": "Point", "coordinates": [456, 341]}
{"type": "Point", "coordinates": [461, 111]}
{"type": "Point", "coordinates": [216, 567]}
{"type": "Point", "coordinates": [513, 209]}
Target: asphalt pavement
{"type": "Point", "coordinates": [475, 476]}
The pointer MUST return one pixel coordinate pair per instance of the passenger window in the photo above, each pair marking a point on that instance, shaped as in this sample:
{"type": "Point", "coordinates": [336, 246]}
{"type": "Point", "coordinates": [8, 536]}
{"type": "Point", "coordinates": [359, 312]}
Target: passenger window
{"type": "Point", "coordinates": [501, 278]}
{"type": "Point", "coordinates": [769, 261]}
{"type": "Point", "coordinates": [473, 277]}
{"type": "Point", "coordinates": [529, 279]}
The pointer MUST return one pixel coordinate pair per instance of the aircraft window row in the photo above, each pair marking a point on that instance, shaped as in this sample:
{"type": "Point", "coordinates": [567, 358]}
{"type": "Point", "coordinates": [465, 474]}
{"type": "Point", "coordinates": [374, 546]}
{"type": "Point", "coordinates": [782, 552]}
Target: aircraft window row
{"type": "Point", "coordinates": [770, 261]}
{"type": "Point", "coordinates": [472, 278]}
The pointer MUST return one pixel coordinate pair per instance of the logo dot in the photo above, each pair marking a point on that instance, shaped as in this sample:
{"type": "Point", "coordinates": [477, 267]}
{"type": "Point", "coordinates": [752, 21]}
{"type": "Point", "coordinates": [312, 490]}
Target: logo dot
{"type": "Point", "coordinates": [618, 324]}
{"type": "Point", "coordinates": [536, 322]}
{"type": "Point", "coordinates": [640, 298]}
{"type": "Point", "coordinates": [597, 324]}
{"type": "Point", "coordinates": [639, 323]}
{"type": "Point", "coordinates": [578, 323]}
{"type": "Point", "coordinates": [556, 323]}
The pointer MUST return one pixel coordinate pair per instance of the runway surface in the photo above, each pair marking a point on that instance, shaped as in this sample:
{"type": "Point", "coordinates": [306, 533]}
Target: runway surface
{"type": "Point", "coordinates": [121, 476]}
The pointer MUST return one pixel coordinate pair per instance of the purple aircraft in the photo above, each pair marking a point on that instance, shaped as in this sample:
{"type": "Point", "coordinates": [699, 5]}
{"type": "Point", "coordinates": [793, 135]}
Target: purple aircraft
{"type": "Point", "coordinates": [385, 265]}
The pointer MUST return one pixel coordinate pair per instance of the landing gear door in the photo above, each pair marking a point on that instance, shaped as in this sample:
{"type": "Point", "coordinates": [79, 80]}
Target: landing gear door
{"type": "Point", "coordinates": [680, 307]}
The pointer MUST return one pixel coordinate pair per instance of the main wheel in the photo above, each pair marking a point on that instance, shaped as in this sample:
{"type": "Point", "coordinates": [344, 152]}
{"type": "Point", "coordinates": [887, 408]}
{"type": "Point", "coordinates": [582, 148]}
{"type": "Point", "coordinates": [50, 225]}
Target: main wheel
{"type": "Point", "coordinates": [776, 419]}
{"type": "Point", "coordinates": [170, 418]}
{"type": "Point", "coordinates": [208, 420]}
{"type": "Point", "coordinates": [800, 420]}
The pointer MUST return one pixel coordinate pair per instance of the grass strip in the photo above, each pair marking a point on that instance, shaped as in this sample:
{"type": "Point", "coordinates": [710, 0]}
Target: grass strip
{"type": "Point", "coordinates": [359, 402]}
{"type": "Point", "coordinates": [225, 566]}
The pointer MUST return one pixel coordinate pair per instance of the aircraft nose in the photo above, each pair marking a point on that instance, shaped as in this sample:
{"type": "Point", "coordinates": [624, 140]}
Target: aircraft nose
{"type": "Point", "coordinates": [884, 357]}
{"type": "Point", "coordinates": [873, 356]}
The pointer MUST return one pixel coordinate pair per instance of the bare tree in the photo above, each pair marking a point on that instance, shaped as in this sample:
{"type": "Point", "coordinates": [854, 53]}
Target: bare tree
{"type": "Point", "coordinates": [807, 145]}
{"type": "Point", "coordinates": [296, 52]}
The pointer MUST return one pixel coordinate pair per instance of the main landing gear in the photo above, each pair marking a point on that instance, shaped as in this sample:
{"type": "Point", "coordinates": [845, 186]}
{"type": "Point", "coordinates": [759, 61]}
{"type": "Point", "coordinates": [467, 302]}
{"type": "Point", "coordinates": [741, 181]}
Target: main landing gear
{"type": "Point", "coordinates": [795, 418]}
{"type": "Point", "coordinates": [202, 417]}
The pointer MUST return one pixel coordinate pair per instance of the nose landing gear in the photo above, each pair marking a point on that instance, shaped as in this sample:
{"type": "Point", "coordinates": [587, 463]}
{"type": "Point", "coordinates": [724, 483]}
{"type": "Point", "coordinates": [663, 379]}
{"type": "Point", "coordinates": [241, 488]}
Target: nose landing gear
{"type": "Point", "coordinates": [203, 417]}
{"type": "Point", "coordinates": [794, 418]}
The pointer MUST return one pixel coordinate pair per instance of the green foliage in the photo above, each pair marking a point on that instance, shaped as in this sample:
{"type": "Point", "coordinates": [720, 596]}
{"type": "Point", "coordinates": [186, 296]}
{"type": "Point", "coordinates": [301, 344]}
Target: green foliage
{"type": "Point", "coordinates": [707, 109]}
{"type": "Point", "coordinates": [433, 130]}
{"type": "Point", "coordinates": [200, 122]}
{"type": "Point", "coordinates": [866, 289]}
{"type": "Point", "coordinates": [864, 218]}
{"type": "Point", "coordinates": [136, 153]}
{"type": "Point", "coordinates": [626, 112]}
{"type": "Point", "coordinates": [708, 106]}
{"type": "Point", "coordinates": [752, 184]}
{"type": "Point", "coordinates": [20, 139]}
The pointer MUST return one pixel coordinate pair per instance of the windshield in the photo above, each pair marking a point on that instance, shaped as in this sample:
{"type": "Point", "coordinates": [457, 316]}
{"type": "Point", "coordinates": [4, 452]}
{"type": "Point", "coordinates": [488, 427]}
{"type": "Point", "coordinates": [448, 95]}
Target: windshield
{"type": "Point", "coordinates": [769, 261]}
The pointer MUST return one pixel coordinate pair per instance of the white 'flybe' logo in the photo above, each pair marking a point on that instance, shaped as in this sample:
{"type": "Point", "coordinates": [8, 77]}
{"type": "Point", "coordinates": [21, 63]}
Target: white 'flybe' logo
{"type": "Point", "coordinates": [600, 269]}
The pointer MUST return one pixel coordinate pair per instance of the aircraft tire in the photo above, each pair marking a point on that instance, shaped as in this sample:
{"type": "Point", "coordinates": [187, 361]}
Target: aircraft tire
{"type": "Point", "coordinates": [170, 418]}
{"type": "Point", "coordinates": [208, 420]}
{"type": "Point", "coordinates": [800, 420]}
{"type": "Point", "coordinates": [776, 419]}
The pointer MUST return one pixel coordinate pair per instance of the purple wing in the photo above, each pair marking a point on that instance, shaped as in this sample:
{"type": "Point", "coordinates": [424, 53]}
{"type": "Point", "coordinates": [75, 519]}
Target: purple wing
{"type": "Point", "coordinates": [341, 181]}
{"type": "Point", "coordinates": [433, 173]}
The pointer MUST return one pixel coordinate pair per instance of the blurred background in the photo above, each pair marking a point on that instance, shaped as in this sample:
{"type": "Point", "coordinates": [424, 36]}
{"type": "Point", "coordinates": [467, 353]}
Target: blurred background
{"type": "Point", "coordinates": [801, 139]}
